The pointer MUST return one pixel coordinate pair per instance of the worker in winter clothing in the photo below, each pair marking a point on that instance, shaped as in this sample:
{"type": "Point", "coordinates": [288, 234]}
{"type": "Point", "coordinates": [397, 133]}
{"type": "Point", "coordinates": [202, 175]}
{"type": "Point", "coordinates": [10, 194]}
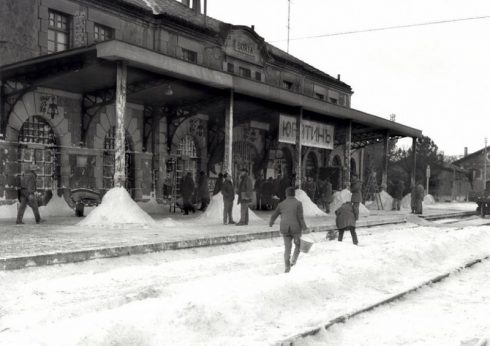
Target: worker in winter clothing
{"type": "Point", "coordinates": [356, 198]}
{"type": "Point", "coordinates": [203, 190]}
{"type": "Point", "coordinates": [27, 194]}
{"type": "Point", "coordinates": [398, 189]}
{"type": "Point", "coordinates": [346, 221]}
{"type": "Point", "coordinates": [420, 192]}
{"type": "Point", "coordinates": [245, 190]}
{"type": "Point", "coordinates": [228, 192]}
{"type": "Point", "coordinates": [291, 226]}
{"type": "Point", "coordinates": [187, 189]}
{"type": "Point", "coordinates": [218, 184]}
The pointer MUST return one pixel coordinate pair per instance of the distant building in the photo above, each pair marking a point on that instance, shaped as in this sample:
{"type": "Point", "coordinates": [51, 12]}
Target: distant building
{"type": "Point", "coordinates": [475, 163]}
{"type": "Point", "coordinates": [449, 182]}
{"type": "Point", "coordinates": [200, 94]}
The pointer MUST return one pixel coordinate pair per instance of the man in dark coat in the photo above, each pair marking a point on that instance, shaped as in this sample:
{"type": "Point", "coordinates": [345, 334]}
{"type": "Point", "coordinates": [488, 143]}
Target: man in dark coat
{"type": "Point", "coordinates": [398, 189]}
{"type": "Point", "coordinates": [228, 192]}
{"type": "Point", "coordinates": [259, 193]}
{"type": "Point", "coordinates": [27, 194]}
{"type": "Point", "coordinates": [245, 190]}
{"type": "Point", "coordinates": [346, 221]}
{"type": "Point", "coordinates": [203, 191]}
{"type": "Point", "coordinates": [356, 198]}
{"type": "Point", "coordinates": [291, 226]}
{"type": "Point", "coordinates": [187, 189]}
{"type": "Point", "coordinates": [218, 184]}
{"type": "Point", "coordinates": [267, 188]}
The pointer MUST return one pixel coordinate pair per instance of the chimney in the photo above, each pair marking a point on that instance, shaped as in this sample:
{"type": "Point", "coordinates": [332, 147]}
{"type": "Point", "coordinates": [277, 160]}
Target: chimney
{"type": "Point", "coordinates": [196, 6]}
{"type": "Point", "coordinates": [338, 77]}
{"type": "Point", "coordinates": [253, 27]}
{"type": "Point", "coordinates": [465, 151]}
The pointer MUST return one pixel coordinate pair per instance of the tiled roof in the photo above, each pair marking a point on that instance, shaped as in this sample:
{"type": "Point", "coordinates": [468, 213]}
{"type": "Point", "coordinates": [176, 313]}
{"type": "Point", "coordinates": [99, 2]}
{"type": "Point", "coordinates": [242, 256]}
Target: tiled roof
{"type": "Point", "coordinates": [176, 9]}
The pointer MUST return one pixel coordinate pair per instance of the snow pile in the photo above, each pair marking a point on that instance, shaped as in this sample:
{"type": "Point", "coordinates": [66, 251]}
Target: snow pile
{"type": "Point", "coordinates": [310, 209]}
{"type": "Point", "coordinates": [340, 197]}
{"type": "Point", "coordinates": [429, 200]}
{"type": "Point", "coordinates": [214, 211]}
{"type": "Point", "coordinates": [57, 206]}
{"type": "Point", "coordinates": [407, 202]}
{"type": "Point", "coordinates": [385, 199]}
{"type": "Point", "coordinates": [117, 208]}
{"type": "Point", "coordinates": [151, 207]}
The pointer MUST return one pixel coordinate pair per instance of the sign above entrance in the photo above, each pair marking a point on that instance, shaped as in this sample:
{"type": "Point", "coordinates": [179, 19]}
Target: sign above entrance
{"type": "Point", "coordinates": [313, 134]}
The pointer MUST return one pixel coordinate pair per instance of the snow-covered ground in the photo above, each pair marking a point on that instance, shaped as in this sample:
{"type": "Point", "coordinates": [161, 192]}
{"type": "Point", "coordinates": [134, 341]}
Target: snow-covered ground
{"type": "Point", "coordinates": [230, 295]}
{"type": "Point", "coordinates": [453, 312]}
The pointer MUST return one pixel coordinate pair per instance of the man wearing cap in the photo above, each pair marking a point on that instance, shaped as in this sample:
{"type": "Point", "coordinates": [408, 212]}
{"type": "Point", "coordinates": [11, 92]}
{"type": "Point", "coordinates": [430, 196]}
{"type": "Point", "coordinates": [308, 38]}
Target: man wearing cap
{"type": "Point", "coordinates": [292, 224]}
{"type": "Point", "coordinates": [244, 196]}
{"type": "Point", "coordinates": [228, 192]}
{"type": "Point", "coordinates": [27, 194]}
{"type": "Point", "coordinates": [356, 197]}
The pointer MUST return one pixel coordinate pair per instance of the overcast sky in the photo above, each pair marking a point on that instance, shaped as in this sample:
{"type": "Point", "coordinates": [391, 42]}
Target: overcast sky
{"type": "Point", "coordinates": [435, 78]}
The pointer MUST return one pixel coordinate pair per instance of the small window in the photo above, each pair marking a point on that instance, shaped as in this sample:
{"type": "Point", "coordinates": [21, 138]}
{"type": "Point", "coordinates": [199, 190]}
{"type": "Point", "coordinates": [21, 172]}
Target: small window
{"type": "Point", "coordinates": [333, 100]}
{"type": "Point", "coordinates": [58, 32]}
{"type": "Point", "coordinates": [189, 55]}
{"type": "Point", "coordinates": [319, 96]}
{"type": "Point", "coordinates": [258, 76]}
{"type": "Point", "coordinates": [230, 68]}
{"type": "Point", "coordinates": [245, 72]}
{"type": "Point", "coordinates": [102, 33]}
{"type": "Point", "coordinates": [287, 84]}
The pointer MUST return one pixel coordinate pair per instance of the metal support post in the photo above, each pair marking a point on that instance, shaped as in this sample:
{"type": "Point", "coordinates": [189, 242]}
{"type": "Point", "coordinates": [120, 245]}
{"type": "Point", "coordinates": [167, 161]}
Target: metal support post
{"type": "Point", "coordinates": [119, 169]}
{"type": "Point", "coordinates": [228, 159]}
{"type": "Point", "coordinates": [347, 154]}
{"type": "Point", "coordinates": [386, 154]}
{"type": "Point", "coordinates": [299, 127]}
{"type": "Point", "coordinates": [414, 160]}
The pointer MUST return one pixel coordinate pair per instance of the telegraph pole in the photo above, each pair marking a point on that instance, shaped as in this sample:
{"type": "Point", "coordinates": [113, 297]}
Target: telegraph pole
{"type": "Point", "coordinates": [289, 21]}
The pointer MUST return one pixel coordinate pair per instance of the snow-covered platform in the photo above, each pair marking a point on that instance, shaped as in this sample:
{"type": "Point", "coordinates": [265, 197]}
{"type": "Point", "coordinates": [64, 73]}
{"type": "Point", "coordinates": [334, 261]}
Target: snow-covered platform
{"type": "Point", "coordinates": [64, 239]}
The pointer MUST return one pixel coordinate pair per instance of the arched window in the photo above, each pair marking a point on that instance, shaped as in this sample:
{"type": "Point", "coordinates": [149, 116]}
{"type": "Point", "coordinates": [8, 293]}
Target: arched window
{"type": "Point", "coordinates": [188, 160]}
{"type": "Point", "coordinates": [244, 157]}
{"type": "Point", "coordinates": [109, 161]}
{"type": "Point", "coordinates": [187, 148]}
{"type": "Point", "coordinates": [37, 143]}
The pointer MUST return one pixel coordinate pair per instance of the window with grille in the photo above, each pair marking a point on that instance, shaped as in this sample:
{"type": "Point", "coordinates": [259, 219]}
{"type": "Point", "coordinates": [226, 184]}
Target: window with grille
{"type": "Point", "coordinates": [245, 72]}
{"type": "Point", "coordinates": [37, 146]}
{"type": "Point", "coordinates": [319, 96]}
{"type": "Point", "coordinates": [58, 32]}
{"type": "Point", "coordinates": [187, 148]}
{"type": "Point", "coordinates": [102, 33]}
{"type": "Point", "coordinates": [189, 55]}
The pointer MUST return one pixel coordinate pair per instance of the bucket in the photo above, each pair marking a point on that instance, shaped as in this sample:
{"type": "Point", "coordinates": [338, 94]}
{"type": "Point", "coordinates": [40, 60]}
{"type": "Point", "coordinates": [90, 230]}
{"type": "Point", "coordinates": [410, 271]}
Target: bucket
{"type": "Point", "coordinates": [305, 244]}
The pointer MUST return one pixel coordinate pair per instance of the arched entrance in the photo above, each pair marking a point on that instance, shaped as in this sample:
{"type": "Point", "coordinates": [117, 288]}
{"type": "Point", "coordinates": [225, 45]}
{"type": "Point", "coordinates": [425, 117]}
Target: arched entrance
{"type": "Point", "coordinates": [311, 166]}
{"type": "Point", "coordinates": [109, 161]}
{"type": "Point", "coordinates": [336, 175]}
{"type": "Point", "coordinates": [244, 156]}
{"type": "Point", "coordinates": [37, 145]}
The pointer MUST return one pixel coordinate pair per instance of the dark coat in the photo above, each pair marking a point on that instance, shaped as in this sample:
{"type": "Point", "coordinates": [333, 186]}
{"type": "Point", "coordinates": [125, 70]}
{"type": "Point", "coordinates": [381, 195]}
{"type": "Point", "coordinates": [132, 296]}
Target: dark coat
{"type": "Point", "coordinates": [356, 192]}
{"type": "Point", "coordinates": [398, 189]}
{"type": "Point", "coordinates": [245, 190]}
{"type": "Point", "coordinates": [187, 187]}
{"type": "Point", "coordinates": [28, 182]}
{"type": "Point", "coordinates": [292, 219]}
{"type": "Point", "coordinates": [345, 216]}
{"type": "Point", "coordinates": [228, 190]}
{"type": "Point", "coordinates": [218, 185]}
{"type": "Point", "coordinates": [203, 188]}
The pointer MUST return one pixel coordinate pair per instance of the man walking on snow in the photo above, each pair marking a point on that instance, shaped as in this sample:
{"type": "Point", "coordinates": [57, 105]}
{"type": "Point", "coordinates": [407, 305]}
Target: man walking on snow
{"type": "Point", "coordinates": [291, 227]}
{"type": "Point", "coordinates": [27, 194]}
{"type": "Point", "coordinates": [244, 196]}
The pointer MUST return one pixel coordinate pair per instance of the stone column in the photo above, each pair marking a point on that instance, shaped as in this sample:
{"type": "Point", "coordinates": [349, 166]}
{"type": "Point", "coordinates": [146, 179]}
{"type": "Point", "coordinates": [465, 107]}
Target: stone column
{"type": "Point", "coordinates": [119, 169]}
{"type": "Point", "coordinates": [386, 153]}
{"type": "Point", "coordinates": [228, 159]}
{"type": "Point", "coordinates": [298, 158]}
{"type": "Point", "coordinates": [155, 150]}
{"type": "Point", "coordinates": [414, 160]}
{"type": "Point", "coordinates": [347, 154]}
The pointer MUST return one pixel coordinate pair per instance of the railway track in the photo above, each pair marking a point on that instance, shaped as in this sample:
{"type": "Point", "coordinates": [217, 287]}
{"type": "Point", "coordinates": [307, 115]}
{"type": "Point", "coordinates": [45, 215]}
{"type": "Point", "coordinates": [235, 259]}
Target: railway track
{"type": "Point", "coordinates": [294, 339]}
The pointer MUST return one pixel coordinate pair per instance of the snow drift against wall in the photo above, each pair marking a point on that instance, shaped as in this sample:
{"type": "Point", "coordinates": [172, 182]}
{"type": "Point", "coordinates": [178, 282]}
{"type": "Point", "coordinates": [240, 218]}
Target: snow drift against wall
{"type": "Point", "coordinates": [214, 211]}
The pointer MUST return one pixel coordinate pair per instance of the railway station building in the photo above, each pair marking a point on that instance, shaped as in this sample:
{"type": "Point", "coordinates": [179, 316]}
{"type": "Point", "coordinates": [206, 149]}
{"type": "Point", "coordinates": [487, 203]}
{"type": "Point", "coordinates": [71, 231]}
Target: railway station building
{"type": "Point", "coordinates": [138, 92]}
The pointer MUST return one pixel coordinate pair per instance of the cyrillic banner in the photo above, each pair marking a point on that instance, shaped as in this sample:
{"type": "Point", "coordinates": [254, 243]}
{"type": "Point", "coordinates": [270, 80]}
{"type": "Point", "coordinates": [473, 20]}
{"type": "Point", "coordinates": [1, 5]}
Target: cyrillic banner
{"type": "Point", "coordinates": [313, 134]}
